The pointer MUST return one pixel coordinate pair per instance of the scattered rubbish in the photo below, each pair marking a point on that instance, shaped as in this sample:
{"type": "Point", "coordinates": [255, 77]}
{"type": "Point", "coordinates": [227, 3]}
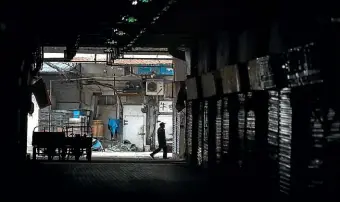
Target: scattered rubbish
{"type": "Point", "coordinates": [122, 147]}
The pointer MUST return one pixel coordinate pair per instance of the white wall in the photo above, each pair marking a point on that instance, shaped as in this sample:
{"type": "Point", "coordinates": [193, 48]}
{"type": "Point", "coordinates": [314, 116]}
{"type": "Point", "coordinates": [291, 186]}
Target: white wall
{"type": "Point", "coordinates": [32, 122]}
{"type": "Point", "coordinates": [131, 131]}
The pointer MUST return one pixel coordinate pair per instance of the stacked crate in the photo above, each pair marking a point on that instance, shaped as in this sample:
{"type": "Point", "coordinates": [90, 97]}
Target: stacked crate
{"type": "Point", "coordinates": [54, 118]}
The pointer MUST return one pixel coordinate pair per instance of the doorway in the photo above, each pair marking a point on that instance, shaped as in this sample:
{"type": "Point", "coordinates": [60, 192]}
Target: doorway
{"type": "Point", "coordinates": [134, 126]}
{"type": "Point", "coordinates": [133, 130]}
{"type": "Point", "coordinates": [167, 119]}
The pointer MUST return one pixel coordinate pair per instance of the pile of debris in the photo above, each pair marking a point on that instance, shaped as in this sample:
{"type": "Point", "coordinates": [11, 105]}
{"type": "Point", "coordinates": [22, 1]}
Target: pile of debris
{"type": "Point", "coordinates": [126, 146]}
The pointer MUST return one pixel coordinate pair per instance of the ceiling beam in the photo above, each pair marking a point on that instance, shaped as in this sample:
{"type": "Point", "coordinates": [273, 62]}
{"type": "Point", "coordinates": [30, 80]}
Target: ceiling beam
{"type": "Point", "coordinates": [100, 50]}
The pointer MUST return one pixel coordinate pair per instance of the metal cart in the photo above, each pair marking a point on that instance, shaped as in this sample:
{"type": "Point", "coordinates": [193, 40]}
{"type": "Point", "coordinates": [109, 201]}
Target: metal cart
{"type": "Point", "coordinates": [48, 143]}
{"type": "Point", "coordinates": [78, 142]}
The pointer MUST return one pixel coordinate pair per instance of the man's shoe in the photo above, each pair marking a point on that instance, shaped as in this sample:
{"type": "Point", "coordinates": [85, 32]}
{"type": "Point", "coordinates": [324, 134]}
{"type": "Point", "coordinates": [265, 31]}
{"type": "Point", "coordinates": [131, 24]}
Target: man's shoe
{"type": "Point", "coordinates": [152, 156]}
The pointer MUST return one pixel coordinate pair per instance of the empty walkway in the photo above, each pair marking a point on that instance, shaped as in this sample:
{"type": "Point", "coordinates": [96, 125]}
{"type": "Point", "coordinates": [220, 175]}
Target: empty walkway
{"type": "Point", "coordinates": [149, 180]}
{"type": "Point", "coordinates": [145, 181]}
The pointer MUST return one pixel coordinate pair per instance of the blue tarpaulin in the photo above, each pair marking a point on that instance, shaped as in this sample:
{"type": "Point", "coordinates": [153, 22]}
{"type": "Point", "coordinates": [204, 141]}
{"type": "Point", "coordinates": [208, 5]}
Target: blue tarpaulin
{"type": "Point", "coordinates": [97, 145]}
{"type": "Point", "coordinates": [114, 124]}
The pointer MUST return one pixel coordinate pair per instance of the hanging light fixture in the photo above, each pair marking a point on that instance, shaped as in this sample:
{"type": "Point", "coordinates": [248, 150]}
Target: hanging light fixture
{"type": "Point", "coordinates": [134, 2]}
{"type": "Point", "coordinates": [165, 9]}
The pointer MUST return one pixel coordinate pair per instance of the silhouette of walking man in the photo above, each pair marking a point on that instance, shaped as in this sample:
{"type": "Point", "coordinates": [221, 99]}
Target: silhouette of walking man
{"type": "Point", "coordinates": [161, 141]}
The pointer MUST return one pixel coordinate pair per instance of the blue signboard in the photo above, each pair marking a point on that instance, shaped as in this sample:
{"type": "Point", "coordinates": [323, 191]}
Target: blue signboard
{"type": "Point", "coordinates": [145, 70]}
{"type": "Point", "coordinates": [164, 70]}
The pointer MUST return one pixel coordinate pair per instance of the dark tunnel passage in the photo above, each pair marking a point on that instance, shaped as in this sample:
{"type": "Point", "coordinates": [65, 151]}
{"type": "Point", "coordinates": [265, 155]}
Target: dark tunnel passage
{"type": "Point", "coordinates": [251, 89]}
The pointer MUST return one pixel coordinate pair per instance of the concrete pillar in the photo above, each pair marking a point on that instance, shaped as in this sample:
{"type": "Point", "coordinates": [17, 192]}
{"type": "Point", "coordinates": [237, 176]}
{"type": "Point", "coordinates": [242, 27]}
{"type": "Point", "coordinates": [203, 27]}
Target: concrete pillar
{"type": "Point", "coordinates": [246, 46]}
{"type": "Point", "coordinates": [275, 40]}
{"type": "Point", "coordinates": [206, 61]}
{"type": "Point", "coordinates": [223, 50]}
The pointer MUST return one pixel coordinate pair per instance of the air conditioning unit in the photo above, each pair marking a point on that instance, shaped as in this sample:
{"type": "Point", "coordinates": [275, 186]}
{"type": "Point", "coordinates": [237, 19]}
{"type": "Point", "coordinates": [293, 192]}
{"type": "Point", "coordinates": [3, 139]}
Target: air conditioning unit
{"type": "Point", "coordinates": [154, 87]}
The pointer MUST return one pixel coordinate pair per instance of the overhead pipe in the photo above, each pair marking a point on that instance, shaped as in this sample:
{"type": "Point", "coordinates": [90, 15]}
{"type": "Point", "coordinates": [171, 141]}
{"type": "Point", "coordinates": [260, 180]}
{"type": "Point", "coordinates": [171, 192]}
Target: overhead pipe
{"type": "Point", "coordinates": [101, 61]}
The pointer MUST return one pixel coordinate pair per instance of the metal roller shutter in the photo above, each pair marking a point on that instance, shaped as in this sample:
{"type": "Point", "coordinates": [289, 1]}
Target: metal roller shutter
{"type": "Point", "coordinates": [331, 158]}
{"type": "Point", "coordinates": [324, 127]}
{"type": "Point", "coordinates": [219, 130]}
{"type": "Point", "coordinates": [225, 129]}
{"type": "Point", "coordinates": [179, 124]}
{"type": "Point", "coordinates": [182, 124]}
{"type": "Point", "coordinates": [200, 135]}
{"type": "Point", "coordinates": [205, 145]}
{"type": "Point", "coordinates": [273, 138]}
{"type": "Point", "coordinates": [250, 128]}
{"type": "Point", "coordinates": [189, 123]}
{"type": "Point", "coordinates": [241, 129]}
{"type": "Point", "coordinates": [176, 131]}
{"type": "Point", "coordinates": [285, 141]}
{"type": "Point", "coordinates": [280, 140]}
{"type": "Point", "coordinates": [316, 160]}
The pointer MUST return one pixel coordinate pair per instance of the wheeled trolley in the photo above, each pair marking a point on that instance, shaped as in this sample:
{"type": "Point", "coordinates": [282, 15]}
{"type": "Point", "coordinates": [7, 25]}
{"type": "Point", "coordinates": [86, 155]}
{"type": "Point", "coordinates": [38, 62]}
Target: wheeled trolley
{"type": "Point", "coordinates": [78, 142]}
{"type": "Point", "coordinates": [48, 143]}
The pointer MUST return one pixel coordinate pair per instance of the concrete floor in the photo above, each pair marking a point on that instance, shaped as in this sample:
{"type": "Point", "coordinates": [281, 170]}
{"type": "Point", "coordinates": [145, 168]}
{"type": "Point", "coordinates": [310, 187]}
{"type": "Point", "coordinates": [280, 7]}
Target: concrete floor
{"type": "Point", "coordinates": [152, 180]}
{"type": "Point", "coordinates": [114, 156]}
{"type": "Point", "coordinates": [115, 181]}
{"type": "Point", "coordinates": [145, 155]}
